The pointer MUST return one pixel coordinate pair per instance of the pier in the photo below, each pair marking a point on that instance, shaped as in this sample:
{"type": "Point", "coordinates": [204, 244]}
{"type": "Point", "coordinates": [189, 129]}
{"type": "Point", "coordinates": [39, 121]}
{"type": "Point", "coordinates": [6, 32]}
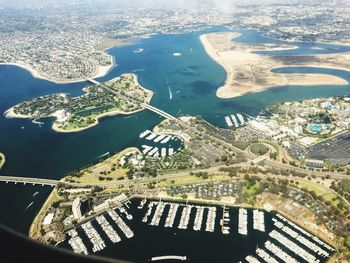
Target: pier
{"type": "Point", "coordinates": [182, 258]}
{"type": "Point", "coordinates": [121, 224]}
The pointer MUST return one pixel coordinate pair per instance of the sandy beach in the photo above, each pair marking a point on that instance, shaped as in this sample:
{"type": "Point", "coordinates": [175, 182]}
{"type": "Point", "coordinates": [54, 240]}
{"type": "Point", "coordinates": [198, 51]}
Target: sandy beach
{"type": "Point", "coordinates": [248, 72]}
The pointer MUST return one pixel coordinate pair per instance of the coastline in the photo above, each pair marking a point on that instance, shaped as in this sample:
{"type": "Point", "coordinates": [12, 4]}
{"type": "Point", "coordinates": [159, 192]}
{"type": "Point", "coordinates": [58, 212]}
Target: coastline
{"type": "Point", "coordinates": [10, 114]}
{"type": "Point", "coordinates": [100, 71]}
{"type": "Point", "coordinates": [248, 72]}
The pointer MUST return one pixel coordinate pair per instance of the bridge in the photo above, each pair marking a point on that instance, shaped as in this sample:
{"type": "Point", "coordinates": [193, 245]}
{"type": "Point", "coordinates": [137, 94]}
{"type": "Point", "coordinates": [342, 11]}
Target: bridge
{"type": "Point", "coordinates": [26, 180]}
{"type": "Point", "coordinates": [145, 105]}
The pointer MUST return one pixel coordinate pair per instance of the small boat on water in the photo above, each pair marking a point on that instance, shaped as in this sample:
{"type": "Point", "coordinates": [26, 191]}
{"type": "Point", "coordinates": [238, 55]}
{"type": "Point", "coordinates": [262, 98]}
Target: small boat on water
{"type": "Point", "coordinates": [138, 50]}
{"type": "Point", "coordinates": [102, 155]}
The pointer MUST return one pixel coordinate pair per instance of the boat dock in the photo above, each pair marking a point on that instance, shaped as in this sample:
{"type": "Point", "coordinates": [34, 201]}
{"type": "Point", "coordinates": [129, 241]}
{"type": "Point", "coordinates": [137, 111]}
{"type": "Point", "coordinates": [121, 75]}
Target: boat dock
{"type": "Point", "coordinates": [185, 217]}
{"type": "Point", "coordinates": [121, 224]}
{"type": "Point", "coordinates": [94, 236]}
{"type": "Point", "coordinates": [149, 211]}
{"type": "Point", "coordinates": [225, 229]}
{"type": "Point", "coordinates": [169, 222]}
{"type": "Point", "coordinates": [279, 253]}
{"type": "Point", "coordinates": [143, 134]}
{"type": "Point", "coordinates": [210, 225]}
{"type": "Point", "coordinates": [108, 229]}
{"type": "Point", "coordinates": [259, 220]}
{"type": "Point", "coordinates": [237, 120]}
{"type": "Point", "coordinates": [251, 259]}
{"type": "Point", "coordinates": [142, 203]}
{"type": "Point", "coordinates": [199, 218]}
{"type": "Point", "coordinates": [293, 247]}
{"type": "Point", "coordinates": [242, 221]}
{"type": "Point", "coordinates": [158, 214]}
{"type": "Point", "coordinates": [306, 242]}
{"type": "Point", "coordinates": [76, 242]}
{"type": "Point", "coordinates": [265, 256]}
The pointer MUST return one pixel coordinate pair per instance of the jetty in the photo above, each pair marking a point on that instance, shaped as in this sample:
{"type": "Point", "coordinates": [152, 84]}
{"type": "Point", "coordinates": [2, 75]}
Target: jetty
{"type": "Point", "coordinates": [169, 222]}
{"type": "Point", "coordinates": [182, 258]}
{"type": "Point", "coordinates": [210, 225]}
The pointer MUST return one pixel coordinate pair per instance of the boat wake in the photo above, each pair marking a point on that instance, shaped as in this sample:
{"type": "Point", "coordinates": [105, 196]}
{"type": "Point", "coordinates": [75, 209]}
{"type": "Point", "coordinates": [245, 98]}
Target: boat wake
{"type": "Point", "coordinates": [102, 155]}
{"type": "Point", "coordinates": [28, 206]}
{"type": "Point", "coordinates": [170, 93]}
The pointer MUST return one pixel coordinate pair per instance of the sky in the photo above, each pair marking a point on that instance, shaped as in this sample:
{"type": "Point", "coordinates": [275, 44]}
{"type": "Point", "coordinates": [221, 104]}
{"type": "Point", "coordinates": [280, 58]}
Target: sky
{"type": "Point", "coordinates": [224, 5]}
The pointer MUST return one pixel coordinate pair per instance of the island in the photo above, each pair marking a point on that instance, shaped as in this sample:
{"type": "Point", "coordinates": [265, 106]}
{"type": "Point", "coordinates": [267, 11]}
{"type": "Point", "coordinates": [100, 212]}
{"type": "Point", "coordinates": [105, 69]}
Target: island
{"type": "Point", "coordinates": [121, 95]}
{"type": "Point", "coordinates": [248, 71]}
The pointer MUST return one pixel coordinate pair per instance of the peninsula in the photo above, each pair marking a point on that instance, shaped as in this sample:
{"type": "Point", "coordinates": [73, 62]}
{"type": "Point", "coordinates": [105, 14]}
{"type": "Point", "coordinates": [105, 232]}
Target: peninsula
{"type": "Point", "coordinates": [246, 73]}
{"type": "Point", "coordinates": [75, 114]}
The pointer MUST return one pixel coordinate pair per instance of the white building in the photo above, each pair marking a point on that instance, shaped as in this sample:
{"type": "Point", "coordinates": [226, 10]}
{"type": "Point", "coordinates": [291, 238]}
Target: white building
{"type": "Point", "coordinates": [76, 208]}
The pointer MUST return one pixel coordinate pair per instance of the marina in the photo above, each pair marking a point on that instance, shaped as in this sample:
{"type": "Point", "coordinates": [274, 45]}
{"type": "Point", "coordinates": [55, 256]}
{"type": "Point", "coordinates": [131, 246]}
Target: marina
{"type": "Point", "coordinates": [280, 243]}
{"type": "Point", "coordinates": [237, 120]}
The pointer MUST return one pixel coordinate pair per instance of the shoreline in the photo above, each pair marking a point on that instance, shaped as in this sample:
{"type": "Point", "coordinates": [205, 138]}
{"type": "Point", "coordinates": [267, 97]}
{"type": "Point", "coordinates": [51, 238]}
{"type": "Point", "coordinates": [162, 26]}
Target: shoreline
{"type": "Point", "coordinates": [231, 55]}
{"type": "Point", "coordinates": [100, 71]}
{"type": "Point", "coordinates": [10, 114]}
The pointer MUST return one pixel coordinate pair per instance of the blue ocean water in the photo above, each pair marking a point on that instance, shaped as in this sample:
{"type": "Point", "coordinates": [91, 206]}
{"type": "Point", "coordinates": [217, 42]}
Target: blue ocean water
{"type": "Point", "coordinates": [183, 85]}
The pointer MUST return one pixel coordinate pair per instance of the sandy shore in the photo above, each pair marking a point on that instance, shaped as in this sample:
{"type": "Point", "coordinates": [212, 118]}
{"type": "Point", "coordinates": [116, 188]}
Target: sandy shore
{"type": "Point", "coordinates": [10, 114]}
{"type": "Point", "coordinates": [248, 72]}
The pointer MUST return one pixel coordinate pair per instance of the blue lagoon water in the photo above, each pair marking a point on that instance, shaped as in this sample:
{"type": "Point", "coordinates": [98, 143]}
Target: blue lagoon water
{"type": "Point", "coordinates": [182, 85]}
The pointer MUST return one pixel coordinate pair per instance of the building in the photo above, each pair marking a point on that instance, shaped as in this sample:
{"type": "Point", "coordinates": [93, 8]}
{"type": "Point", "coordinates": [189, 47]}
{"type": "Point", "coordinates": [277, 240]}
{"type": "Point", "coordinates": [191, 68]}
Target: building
{"type": "Point", "coordinates": [76, 208]}
{"type": "Point", "coordinates": [314, 163]}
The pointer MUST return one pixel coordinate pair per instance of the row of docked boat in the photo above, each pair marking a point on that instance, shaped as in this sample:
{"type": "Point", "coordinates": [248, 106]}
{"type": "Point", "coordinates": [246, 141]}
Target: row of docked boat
{"type": "Point", "coordinates": [108, 229]}
{"type": "Point", "coordinates": [121, 224]}
{"type": "Point", "coordinates": [158, 138]}
{"type": "Point", "coordinates": [225, 228]}
{"type": "Point", "coordinates": [236, 120]}
{"type": "Point", "coordinates": [279, 253]}
{"type": "Point", "coordinates": [156, 152]}
{"type": "Point", "coordinates": [76, 242]}
{"type": "Point", "coordinates": [314, 238]}
{"type": "Point", "coordinates": [94, 236]}
{"type": "Point", "coordinates": [158, 214]}
{"type": "Point", "coordinates": [305, 241]}
{"type": "Point", "coordinates": [292, 246]}
{"type": "Point", "coordinates": [185, 215]}
{"type": "Point", "coordinates": [198, 219]}
{"type": "Point", "coordinates": [169, 222]}
{"type": "Point", "coordinates": [259, 220]}
{"type": "Point", "coordinates": [242, 221]}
